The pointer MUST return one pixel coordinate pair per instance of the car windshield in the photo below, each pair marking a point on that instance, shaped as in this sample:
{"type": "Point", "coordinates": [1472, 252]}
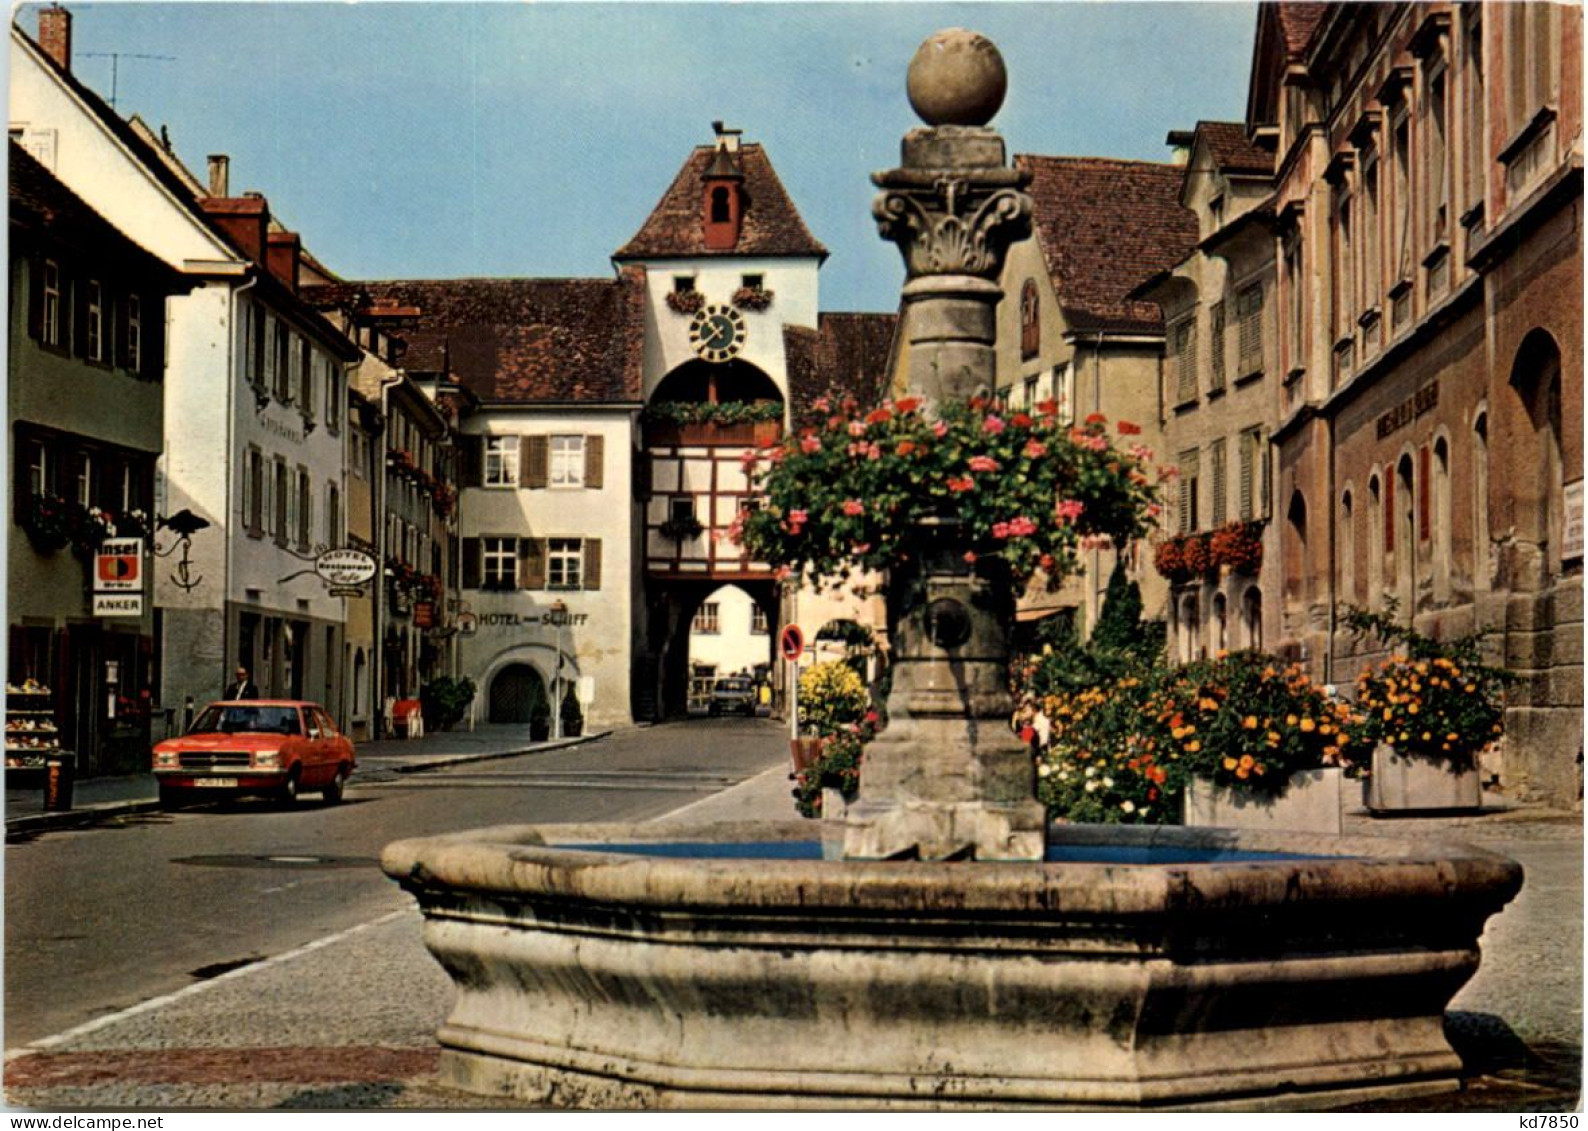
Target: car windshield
{"type": "Point", "coordinates": [733, 685]}
{"type": "Point", "coordinates": [227, 718]}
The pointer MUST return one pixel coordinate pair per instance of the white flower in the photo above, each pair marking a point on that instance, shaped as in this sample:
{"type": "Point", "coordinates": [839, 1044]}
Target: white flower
{"type": "Point", "coordinates": [1090, 786]}
{"type": "Point", "coordinates": [1128, 806]}
{"type": "Point", "coordinates": [1043, 770]}
{"type": "Point", "coordinates": [1090, 770]}
{"type": "Point", "coordinates": [1109, 782]}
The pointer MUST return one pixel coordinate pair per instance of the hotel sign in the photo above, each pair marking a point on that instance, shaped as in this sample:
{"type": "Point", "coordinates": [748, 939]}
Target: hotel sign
{"type": "Point", "coordinates": [345, 568]}
{"type": "Point", "coordinates": [1423, 400]}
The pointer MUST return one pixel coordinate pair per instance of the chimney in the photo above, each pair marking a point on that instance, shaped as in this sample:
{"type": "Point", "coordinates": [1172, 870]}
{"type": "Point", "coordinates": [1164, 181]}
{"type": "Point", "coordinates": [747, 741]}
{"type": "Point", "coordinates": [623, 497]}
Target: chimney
{"type": "Point", "coordinates": [284, 252]}
{"type": "Point", "coordinates": [55, 36]}
{"type": "Point", "coordinates": [727, 137]}
{"type": "Point", "coordinates": [220, 170]}
{"type": "Point", "coordinates": [244, 220]}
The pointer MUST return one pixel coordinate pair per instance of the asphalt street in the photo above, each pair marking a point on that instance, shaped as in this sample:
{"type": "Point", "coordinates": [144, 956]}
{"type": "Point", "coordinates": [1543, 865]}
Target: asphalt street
{"type": "Point", "coordinates": [101, 918]}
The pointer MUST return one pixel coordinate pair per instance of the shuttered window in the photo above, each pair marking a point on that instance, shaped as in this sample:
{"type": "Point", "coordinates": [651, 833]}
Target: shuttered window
{"type": "Point", "coordinates": [1183, 341]}
{"type": "Point", "coordinates": [1251, 330]}
{"type": "Point", "coordinates": [494, 563]}
{"type": "Point", "coordinates": [1216, 379]}
{"type": "Point", "coordinates": [1219, 487]}
{"type": "Point", "coordinates": [535, 454]}
{"type": "Point", "coordinates": [1187, 502]}
{"type": "Point", "coordinates": [501, 461]}
{"type": "Point", "coordinates": [1252, 488]}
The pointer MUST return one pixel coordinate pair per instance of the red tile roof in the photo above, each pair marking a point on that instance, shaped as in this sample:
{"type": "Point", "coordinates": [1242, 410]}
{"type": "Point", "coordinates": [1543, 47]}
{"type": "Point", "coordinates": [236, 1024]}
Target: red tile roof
{"type": "Point", "coordinates": [1232, 150]}
{"type": "Point", "coordinates": [518, 341]}
{"type": "Point", "coordinates": [771, 224]}
{"type": "Point", "coordinates": [1297, 22]}
{"type": "Point", "coordinates": [847, 355]}
{"type": "Point", "coordinates": [1104, 226]}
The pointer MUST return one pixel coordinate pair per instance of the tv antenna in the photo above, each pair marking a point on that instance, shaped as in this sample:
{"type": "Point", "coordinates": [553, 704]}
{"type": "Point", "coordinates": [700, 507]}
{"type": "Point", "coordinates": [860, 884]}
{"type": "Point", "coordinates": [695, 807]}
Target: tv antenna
{"type": "Point", "coordinates": [115, 58]}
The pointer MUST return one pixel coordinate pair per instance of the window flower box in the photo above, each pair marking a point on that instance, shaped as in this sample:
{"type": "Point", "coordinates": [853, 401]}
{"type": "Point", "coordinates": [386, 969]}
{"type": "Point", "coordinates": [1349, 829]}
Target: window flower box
{"type": "Point", "coordinates": [752, 298]}
{"type": "Point", "coordinates": [685, 302]}
{"type": "Point", "coordinates": [1309, 803]}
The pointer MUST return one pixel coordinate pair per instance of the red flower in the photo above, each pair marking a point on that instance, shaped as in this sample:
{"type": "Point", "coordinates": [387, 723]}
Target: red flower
{"type": "Point", "coordinates": [908, 404]}
{"type": "Point", "coordinates": [906, 447]}
{"type": "Point", "coordinates": [1097, 418]}
{"type": "Point", "coordinates": [879, 416]}
{"type": "Point", "coordinates": [854, 506]}
{"type": "Point", "coordinates": [1021, 420]}
{"type": "Point", "coordinates": [1049, 407]}
{"type": "Point", "coordinates": [965, 483]}
{"type": "Point", "coordinates": [1126, 428]}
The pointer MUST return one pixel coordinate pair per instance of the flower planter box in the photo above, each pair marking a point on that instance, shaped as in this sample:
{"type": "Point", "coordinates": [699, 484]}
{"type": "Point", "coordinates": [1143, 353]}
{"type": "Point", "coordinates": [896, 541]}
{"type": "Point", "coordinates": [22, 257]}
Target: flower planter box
{"type": "Point", "coordinates": [1403, 783]}
{"type": "Point", "coordinates": [1310, 804]}
{"type": "Point", "coordinates": [713, 434]}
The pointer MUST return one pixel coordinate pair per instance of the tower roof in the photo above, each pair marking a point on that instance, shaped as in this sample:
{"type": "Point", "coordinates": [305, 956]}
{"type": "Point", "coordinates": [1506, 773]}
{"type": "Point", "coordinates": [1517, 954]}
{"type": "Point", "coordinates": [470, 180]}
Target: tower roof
{"type": "Point", "coordinates": [771, 226]}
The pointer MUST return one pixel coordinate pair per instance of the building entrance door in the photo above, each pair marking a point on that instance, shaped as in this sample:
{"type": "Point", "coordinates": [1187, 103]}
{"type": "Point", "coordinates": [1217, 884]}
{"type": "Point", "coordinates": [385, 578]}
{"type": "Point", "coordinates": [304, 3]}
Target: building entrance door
{"type": "Point", "coordinates": [517, 694]}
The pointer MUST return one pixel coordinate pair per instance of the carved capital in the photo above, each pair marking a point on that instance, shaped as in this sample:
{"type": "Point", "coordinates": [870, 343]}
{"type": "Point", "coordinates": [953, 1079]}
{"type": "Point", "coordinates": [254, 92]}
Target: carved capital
{"type": "Point", "coordinates": [955, 227]}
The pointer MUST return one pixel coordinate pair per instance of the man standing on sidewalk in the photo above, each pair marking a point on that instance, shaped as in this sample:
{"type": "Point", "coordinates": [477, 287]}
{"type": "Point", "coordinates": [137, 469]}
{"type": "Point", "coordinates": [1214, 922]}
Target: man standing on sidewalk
{"type": "Point", "coordinates": [242, 687]}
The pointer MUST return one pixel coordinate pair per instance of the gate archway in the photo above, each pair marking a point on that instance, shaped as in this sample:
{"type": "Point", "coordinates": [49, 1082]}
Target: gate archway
{"type": "Point", "coordinates": [517, 693]}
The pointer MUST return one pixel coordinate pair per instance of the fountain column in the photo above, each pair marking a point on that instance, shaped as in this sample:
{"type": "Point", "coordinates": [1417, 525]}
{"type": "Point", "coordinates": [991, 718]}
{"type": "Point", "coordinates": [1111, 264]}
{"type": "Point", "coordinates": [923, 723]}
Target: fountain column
{"type": "Point", "coordinates": [947, 779]}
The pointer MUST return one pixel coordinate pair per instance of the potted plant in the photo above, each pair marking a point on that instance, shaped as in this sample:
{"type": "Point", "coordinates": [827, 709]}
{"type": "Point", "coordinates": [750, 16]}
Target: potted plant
{"type": "Point", "coordinates": [540, 723]}
{"type": "Point", "coordinates": [681, 528]}
{"type": "Point", "coordinates": [445, 701]}
{"type": "Point", "coordinates": [752, 298]}
{"type": "Point", "coordinates": [1238, 547]}
{"type": "Point", "coordinates": [833, 710]}
{"type": "Point", "coordinates": [48, 522]}
{"type": "Point", "coordinates": [1427, 711]}
{"type": "Point", "coordinates": [572, 716]}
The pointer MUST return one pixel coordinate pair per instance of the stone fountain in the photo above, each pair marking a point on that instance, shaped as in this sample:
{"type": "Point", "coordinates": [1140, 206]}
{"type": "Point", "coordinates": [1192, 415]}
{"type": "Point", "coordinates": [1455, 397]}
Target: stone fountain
{"type": "Point", "coordinates": [959, 954]}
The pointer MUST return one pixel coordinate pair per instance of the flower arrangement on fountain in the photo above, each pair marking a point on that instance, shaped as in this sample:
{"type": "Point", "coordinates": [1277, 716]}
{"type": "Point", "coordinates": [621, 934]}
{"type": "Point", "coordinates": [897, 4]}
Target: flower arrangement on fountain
{"type": "Point", "coordinates": [848, 495]}
{"type": "Point", "coordinates": [1123, 753]}
{"type": "Point", "coordinates": [835, 706]}
{"type": "Point", "coordinates": [1433, 699]}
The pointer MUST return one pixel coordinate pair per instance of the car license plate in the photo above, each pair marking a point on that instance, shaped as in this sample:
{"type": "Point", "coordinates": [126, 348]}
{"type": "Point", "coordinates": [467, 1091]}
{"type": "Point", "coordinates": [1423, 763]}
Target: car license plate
{"type": "Point", "coordinates": [216, 783]}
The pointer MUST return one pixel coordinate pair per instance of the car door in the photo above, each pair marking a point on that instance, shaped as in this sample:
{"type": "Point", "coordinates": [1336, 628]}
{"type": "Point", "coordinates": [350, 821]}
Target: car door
{"type": "Point", "coordinates": [314, 748]}
{"type": "Point", "coordinates": [339, 748]}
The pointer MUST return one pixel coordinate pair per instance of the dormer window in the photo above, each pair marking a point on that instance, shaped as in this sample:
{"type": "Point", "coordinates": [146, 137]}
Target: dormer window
{"type": "Point", "coordinates": [1030, 322]}
{"type": "Point", "coordinates": [1216, 211]}
{"type": "Point", "coordinates": [721, 206]}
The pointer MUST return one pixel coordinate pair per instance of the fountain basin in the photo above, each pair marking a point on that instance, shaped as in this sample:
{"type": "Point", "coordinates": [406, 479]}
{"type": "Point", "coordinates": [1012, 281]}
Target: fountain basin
{"type": "Point", "coordinates": [1190, 968]}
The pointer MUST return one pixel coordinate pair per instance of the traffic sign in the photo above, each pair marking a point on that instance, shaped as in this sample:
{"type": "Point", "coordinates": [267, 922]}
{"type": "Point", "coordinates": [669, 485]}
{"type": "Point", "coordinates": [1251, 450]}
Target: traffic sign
{"type": "Point", "coordinates": [792, 643]}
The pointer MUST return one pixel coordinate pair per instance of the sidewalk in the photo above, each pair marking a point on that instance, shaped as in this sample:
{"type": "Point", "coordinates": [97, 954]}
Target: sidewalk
{"type": "Point", "coordinates": [98, 799]}
{"type": "Point", "coordinates": [364, 1038]}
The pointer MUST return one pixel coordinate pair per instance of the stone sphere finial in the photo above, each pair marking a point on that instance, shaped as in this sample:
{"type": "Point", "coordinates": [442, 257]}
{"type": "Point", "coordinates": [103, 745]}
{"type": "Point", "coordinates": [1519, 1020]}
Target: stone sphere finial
{"type": "Point", "coordinates": [957, 78]}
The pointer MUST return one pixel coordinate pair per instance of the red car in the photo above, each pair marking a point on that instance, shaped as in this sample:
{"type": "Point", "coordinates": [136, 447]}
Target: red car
{"type": "Point", "coordinates": [277, 747]}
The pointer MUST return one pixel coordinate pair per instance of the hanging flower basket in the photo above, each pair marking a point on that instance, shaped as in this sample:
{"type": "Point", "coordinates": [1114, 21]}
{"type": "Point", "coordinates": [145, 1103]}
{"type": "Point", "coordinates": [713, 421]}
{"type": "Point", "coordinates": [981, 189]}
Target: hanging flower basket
{"type": "Point", "coordinates": [1238, 546]}
{"type": "Point", "coordinates": [752, 298]}
{"type": "Point", "coordinates": [682, 529]}
{"type": "Point", "coordinates": [1169, 560]}
{"type": "Point", "coordinates": [685, 302]}
{"type": "Point", "coordinates": [48, 522]}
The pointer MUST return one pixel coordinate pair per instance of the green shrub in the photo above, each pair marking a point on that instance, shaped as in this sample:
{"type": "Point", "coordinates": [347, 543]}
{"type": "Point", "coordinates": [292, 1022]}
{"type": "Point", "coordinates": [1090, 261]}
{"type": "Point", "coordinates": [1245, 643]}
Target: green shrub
{"type": "Point", "coordinates": [443, 702]}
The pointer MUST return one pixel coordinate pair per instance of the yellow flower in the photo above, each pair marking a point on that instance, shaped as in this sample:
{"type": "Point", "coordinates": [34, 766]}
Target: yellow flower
{"type": "Point", "coordinates": [1193, 746]}
{"type": "Point", "coordinates": [1308, 725]}
{"type": "Point", "coordinates": [1229, 763]}
{"type": "Point", "coordinates": [1290, 720]}
{"type": "Point", "coordinates": [1249, 722]}
{"type": "Point", "coordinates": [1411, 708]}
{"type": "Point", "coordinates": [1247, 761]}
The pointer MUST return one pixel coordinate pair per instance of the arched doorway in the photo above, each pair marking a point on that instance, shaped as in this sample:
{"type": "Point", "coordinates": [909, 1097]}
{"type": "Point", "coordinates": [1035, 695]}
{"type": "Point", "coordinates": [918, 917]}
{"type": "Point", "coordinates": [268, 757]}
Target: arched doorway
{"type": "Point", "coordinates": [517, 694]}
{"type": "Point", "coordinates": [730, 633]}
{"type": "Point", "coordinates": [1538, 486]}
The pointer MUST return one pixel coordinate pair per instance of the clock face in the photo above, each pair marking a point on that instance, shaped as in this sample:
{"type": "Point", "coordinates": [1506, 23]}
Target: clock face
{"type": "Point", "coordinates": [716, 333]}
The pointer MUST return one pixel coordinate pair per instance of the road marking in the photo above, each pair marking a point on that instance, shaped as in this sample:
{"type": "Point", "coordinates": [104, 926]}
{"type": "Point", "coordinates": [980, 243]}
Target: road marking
{"type": "Point", "coordinates": [45, 1043]}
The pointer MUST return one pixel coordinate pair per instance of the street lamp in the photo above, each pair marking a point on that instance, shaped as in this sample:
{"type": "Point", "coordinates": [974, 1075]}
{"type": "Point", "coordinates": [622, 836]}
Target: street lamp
{"type": "Point", "coordinates": [560, 612]}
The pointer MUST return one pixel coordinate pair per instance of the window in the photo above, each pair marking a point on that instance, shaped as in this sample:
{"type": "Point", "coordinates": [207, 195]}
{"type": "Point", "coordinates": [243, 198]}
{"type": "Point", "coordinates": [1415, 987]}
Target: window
{"type": "Point", "coordinates": [1480, 502]}
{"type": "Point", "coordinates": [41, 478]}
{"type": "Point", "coordinates": [94, 323]}
{"type": "Point", "coordinates": [1188, 463]}
{"type": "Point", "coordinates": [305, 515]}
{"type": "Point", "coordinates": [752, 282]}
{"type": "Point", "coordinates": [1400, 153]}
{"type": "Point", "coordinates": [499, 557]}
{"type": "Point", "coordinates": [1216, 348]}
{"type": "Point", "coordinates": [1216, 471]}
{"type": "Point", "coordinates": [135, 333]}
{"type": "Point", "coordinates": [1347, 549]}
{"type": "Point", "coordinates": [683, 284]}
{"type": "Point", "coordinates": [567, 461]}
{"type": "Point", "coordinates": [1183, 344]}
{"type": "Point", "coordinates": [306, 378]}
{"type": "Point", "coordinates": [1529, 61]}
{"type": "Point", "coordinates": [333, 515]}
{"type": "Point", "coordinates": [1371, 276]}
{"type": "Point", "coordinates": [1475, 140]}
{"type": "Point", "coordinates": [759, 625]}
{"type": "Point", "coordinates": [1438, 153]}
{"type": "Point", "coordinates": [1296, 285]}
{"type": "Point", "coordinates": [1030, 322]}
{"type": "Point", "coordinates": [720, 212]}
{"type": "Point", "coordinates": [50, 328]}
{"type": "Point", "coordinates": [681, 509]}
{"type": "Point", "coordinates": [706, 619]}
{"type": "Point", "coordinates": [1344, 277]}
{"type": "Point", "coordinates": [1031, 393]}
{"type": "Point", "coordinates": [83, 487]}
{"type": "Point", "coordinates": [254, 492]}
{"type": "Point", "coordinates": [564, 565]}
{"type": "Point", "coordinates": [334, 395]}
{"type": "Point", "coordinates": [278, 514]}
{"type": "Point", "coordinates": [282, 362]}
{"type": "Point", "coordinates": [501, 461]}
{"type": "Point", "coordinates": [1253, 491]}
{"type": "Point", "coordinates": [1250, 309]}
{"type": "Point", "coordinates": [1064, 393]}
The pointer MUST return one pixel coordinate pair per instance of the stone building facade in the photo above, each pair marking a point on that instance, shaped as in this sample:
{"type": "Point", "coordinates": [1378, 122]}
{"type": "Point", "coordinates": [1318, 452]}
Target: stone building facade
{"type": "Point", "coordinates": [1418, 249]}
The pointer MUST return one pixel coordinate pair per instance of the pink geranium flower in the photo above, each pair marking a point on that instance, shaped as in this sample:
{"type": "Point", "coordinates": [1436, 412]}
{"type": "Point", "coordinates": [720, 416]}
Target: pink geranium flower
{"type": "Point", "coordinates": [1035, 449]}
{"type": "Point", "coordinates": [810, 443]}
{"type": "Point", "coordinates": [1070, 510]}
{"type": "Point", "coordinates": [982, 463]}
{"type": "Point", "coordinates": [854, 506]}
{"type": "Point", "coordinates": [939, 429]}
{"type": "Point", "coordinates": [1021, 526]}
{"type": "Point", "coordinates": [965, 483]}
{"type": "Point", "coordinates": [993, 425]}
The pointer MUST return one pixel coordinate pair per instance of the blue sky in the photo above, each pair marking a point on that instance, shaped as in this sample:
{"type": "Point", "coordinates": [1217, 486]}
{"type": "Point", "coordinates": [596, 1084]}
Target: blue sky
{"type": "Point", "coordinates": [506, 139]}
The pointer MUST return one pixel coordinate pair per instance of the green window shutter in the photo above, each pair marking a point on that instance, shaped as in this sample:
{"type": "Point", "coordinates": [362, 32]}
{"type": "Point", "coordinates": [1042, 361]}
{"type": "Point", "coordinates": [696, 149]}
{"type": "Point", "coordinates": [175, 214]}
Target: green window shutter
{"type": "Point", "coordinates": [534, 457]}
{"type": "Point", "coordinates": [1219, 488]}
{"type": "Point", "coordinates": [594, 461]}
{"type": "Point", "coordinates": [1248, 457]}
{"type": "Point", "coordinates": [1216, 347]}
{"type": "Point", "coordinates": [592, 563]}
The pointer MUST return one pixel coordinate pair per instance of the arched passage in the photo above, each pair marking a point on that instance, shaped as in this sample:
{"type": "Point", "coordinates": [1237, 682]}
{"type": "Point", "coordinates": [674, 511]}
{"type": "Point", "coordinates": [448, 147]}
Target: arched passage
{"type": "Point", "coordinates": [728, 382]}
{"type": "Point", "coordinates": [516, 695]}
{"type": "Point", "coordinates": [730, 633]}
{"type": "Point", "coordinates": [1537, 486]}
{"type": "Point", "coordinates": [663, 671]}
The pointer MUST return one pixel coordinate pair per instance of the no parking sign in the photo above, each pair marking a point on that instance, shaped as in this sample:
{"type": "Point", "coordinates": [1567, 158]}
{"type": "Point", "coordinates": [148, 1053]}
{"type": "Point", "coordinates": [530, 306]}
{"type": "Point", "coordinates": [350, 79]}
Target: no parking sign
{"type": "Point", "coordinates": [792, 643]}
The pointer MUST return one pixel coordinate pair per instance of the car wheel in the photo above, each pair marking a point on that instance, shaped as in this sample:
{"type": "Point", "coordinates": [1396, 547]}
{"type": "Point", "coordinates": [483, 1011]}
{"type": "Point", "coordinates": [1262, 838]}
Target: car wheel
{"type": "Point", "coordinates": [287, 795]}
{"type": "Point", "coordinates": [170, 797]}
{"type": "Point", "coordinates": [333, 788]}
